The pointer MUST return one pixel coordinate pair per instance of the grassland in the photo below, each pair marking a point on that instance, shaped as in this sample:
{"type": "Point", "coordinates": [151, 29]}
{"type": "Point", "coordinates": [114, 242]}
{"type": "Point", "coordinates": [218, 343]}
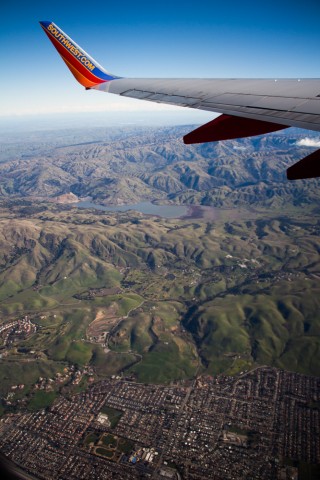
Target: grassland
{"type": "Point", "coordinates": [14, 371]}
{"type": "Point", "coordinates": [195, 295]}
{"type": "Point", "coordinates": [41, 399]}
{"type": "Point", "coordinates": [114, 415]}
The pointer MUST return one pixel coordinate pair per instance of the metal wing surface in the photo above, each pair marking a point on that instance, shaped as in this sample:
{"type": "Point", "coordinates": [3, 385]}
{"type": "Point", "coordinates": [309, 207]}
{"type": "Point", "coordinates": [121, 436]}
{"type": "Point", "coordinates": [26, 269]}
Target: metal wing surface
{"type": "Point", "coordinates": [285, 102]}
{"type": "Point", "coordinates": [248, 106]}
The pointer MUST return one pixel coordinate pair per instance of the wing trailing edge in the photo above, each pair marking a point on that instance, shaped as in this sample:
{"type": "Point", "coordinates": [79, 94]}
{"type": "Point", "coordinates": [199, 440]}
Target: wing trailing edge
{"type": "Point", "coordinates": [227, 127]}
{"type": "Point", "coordinates": [308, 167]}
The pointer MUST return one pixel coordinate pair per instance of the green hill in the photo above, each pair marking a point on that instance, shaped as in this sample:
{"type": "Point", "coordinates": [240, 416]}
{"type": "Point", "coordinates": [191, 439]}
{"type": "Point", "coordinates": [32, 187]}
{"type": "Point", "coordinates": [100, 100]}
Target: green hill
{"type": "Point", "coordinates": [192, 295]}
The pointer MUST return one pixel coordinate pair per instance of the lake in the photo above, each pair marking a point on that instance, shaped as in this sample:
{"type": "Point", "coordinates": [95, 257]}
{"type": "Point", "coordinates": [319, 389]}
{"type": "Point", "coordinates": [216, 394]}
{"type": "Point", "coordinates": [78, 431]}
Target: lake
{"type": "Point", "coordinates": [206, 213]}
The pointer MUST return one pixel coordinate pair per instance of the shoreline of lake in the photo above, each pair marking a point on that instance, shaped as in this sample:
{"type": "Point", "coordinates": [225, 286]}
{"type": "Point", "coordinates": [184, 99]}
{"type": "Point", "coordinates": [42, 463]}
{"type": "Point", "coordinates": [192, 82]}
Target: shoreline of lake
{"type": "Point", "coordinates": [181, 212]}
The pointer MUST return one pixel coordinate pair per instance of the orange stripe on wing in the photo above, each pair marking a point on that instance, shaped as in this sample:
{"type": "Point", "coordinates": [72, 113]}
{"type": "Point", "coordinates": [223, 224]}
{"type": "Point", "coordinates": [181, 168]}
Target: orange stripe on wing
{"type": "Point", "coordinates": [78, 76]}
{"type": "Point", "coordinates": [71, 60]}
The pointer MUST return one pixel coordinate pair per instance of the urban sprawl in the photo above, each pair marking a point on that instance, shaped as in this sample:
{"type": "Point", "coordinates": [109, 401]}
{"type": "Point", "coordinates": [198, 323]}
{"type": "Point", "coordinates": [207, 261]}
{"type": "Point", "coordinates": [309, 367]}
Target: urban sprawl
{"type": "Point", "coordinates": [263, 424]}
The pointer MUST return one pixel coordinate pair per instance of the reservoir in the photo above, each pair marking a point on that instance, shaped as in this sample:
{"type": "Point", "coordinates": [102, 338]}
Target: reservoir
{"type": "Point", "coordinates": [206, 213]}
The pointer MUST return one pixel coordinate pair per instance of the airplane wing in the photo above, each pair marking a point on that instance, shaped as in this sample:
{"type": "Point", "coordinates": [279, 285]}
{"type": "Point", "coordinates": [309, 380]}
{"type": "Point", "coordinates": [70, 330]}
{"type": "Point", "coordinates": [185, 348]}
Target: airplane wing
{"type": "Point", "coordinates": [248, 106]}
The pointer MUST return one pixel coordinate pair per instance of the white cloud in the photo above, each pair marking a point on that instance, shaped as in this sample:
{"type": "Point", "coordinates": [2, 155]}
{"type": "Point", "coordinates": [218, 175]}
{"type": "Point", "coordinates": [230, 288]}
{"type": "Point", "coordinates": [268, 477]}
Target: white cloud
{"type": "Point", "coordinates": [309, 142]}
{"type": "Point", "coordinates": [239, 147]}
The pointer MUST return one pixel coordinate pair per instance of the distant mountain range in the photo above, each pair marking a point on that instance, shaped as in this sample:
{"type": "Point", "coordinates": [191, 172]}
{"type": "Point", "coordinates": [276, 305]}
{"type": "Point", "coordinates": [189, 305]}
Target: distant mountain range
{"type": "Point", "coordinates": [124, 166]}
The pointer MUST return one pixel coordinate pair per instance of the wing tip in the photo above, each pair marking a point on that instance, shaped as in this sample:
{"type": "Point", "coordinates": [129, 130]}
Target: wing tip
{"type": "Point", "coordinates": [84, 68]}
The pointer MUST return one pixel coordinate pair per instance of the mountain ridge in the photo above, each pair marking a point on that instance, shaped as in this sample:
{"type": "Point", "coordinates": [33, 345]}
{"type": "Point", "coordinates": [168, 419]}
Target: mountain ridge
{"type": "Point", "coordinates": [154, 164]}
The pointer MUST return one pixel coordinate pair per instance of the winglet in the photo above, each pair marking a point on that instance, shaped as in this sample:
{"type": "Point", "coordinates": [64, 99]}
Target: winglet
{"type": "Point", "coordinates": [85, 69]}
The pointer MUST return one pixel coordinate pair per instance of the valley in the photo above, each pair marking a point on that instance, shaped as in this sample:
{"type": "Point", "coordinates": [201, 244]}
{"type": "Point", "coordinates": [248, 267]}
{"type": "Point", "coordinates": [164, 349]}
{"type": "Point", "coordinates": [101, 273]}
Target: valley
{"type": "Point", "coordinates": [159, 305]}
{"type": "Point", "coordinates": [172, 298]}
{"type": "Point", "coordinates": [231, 285]}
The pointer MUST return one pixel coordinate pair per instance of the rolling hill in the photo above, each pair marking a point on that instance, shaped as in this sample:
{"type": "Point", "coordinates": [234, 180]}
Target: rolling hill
{"type": "Point", "coordinates": [194, 295]}
{"type": "Point", "coordinates": [135, 164]}
{"type": "Point", "coordinates": [221, 290]}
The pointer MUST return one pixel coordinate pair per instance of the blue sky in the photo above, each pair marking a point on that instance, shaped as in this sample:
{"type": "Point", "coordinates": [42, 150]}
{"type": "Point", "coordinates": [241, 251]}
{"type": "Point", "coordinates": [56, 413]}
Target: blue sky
{"type": "Point", "coordinates": [151, 39]}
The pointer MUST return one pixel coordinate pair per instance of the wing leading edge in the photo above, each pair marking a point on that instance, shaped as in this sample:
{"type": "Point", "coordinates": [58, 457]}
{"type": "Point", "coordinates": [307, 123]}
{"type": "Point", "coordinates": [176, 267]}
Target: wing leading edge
{"type": "Point", "coordinates": [248, 106]}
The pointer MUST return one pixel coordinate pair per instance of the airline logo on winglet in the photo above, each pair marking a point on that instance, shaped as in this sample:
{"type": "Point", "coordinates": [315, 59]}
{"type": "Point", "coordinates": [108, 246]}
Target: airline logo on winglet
{"type": "Point", "coordinates": [84, 68]}
{"type": "Point", "coordinates": [75, 51]}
